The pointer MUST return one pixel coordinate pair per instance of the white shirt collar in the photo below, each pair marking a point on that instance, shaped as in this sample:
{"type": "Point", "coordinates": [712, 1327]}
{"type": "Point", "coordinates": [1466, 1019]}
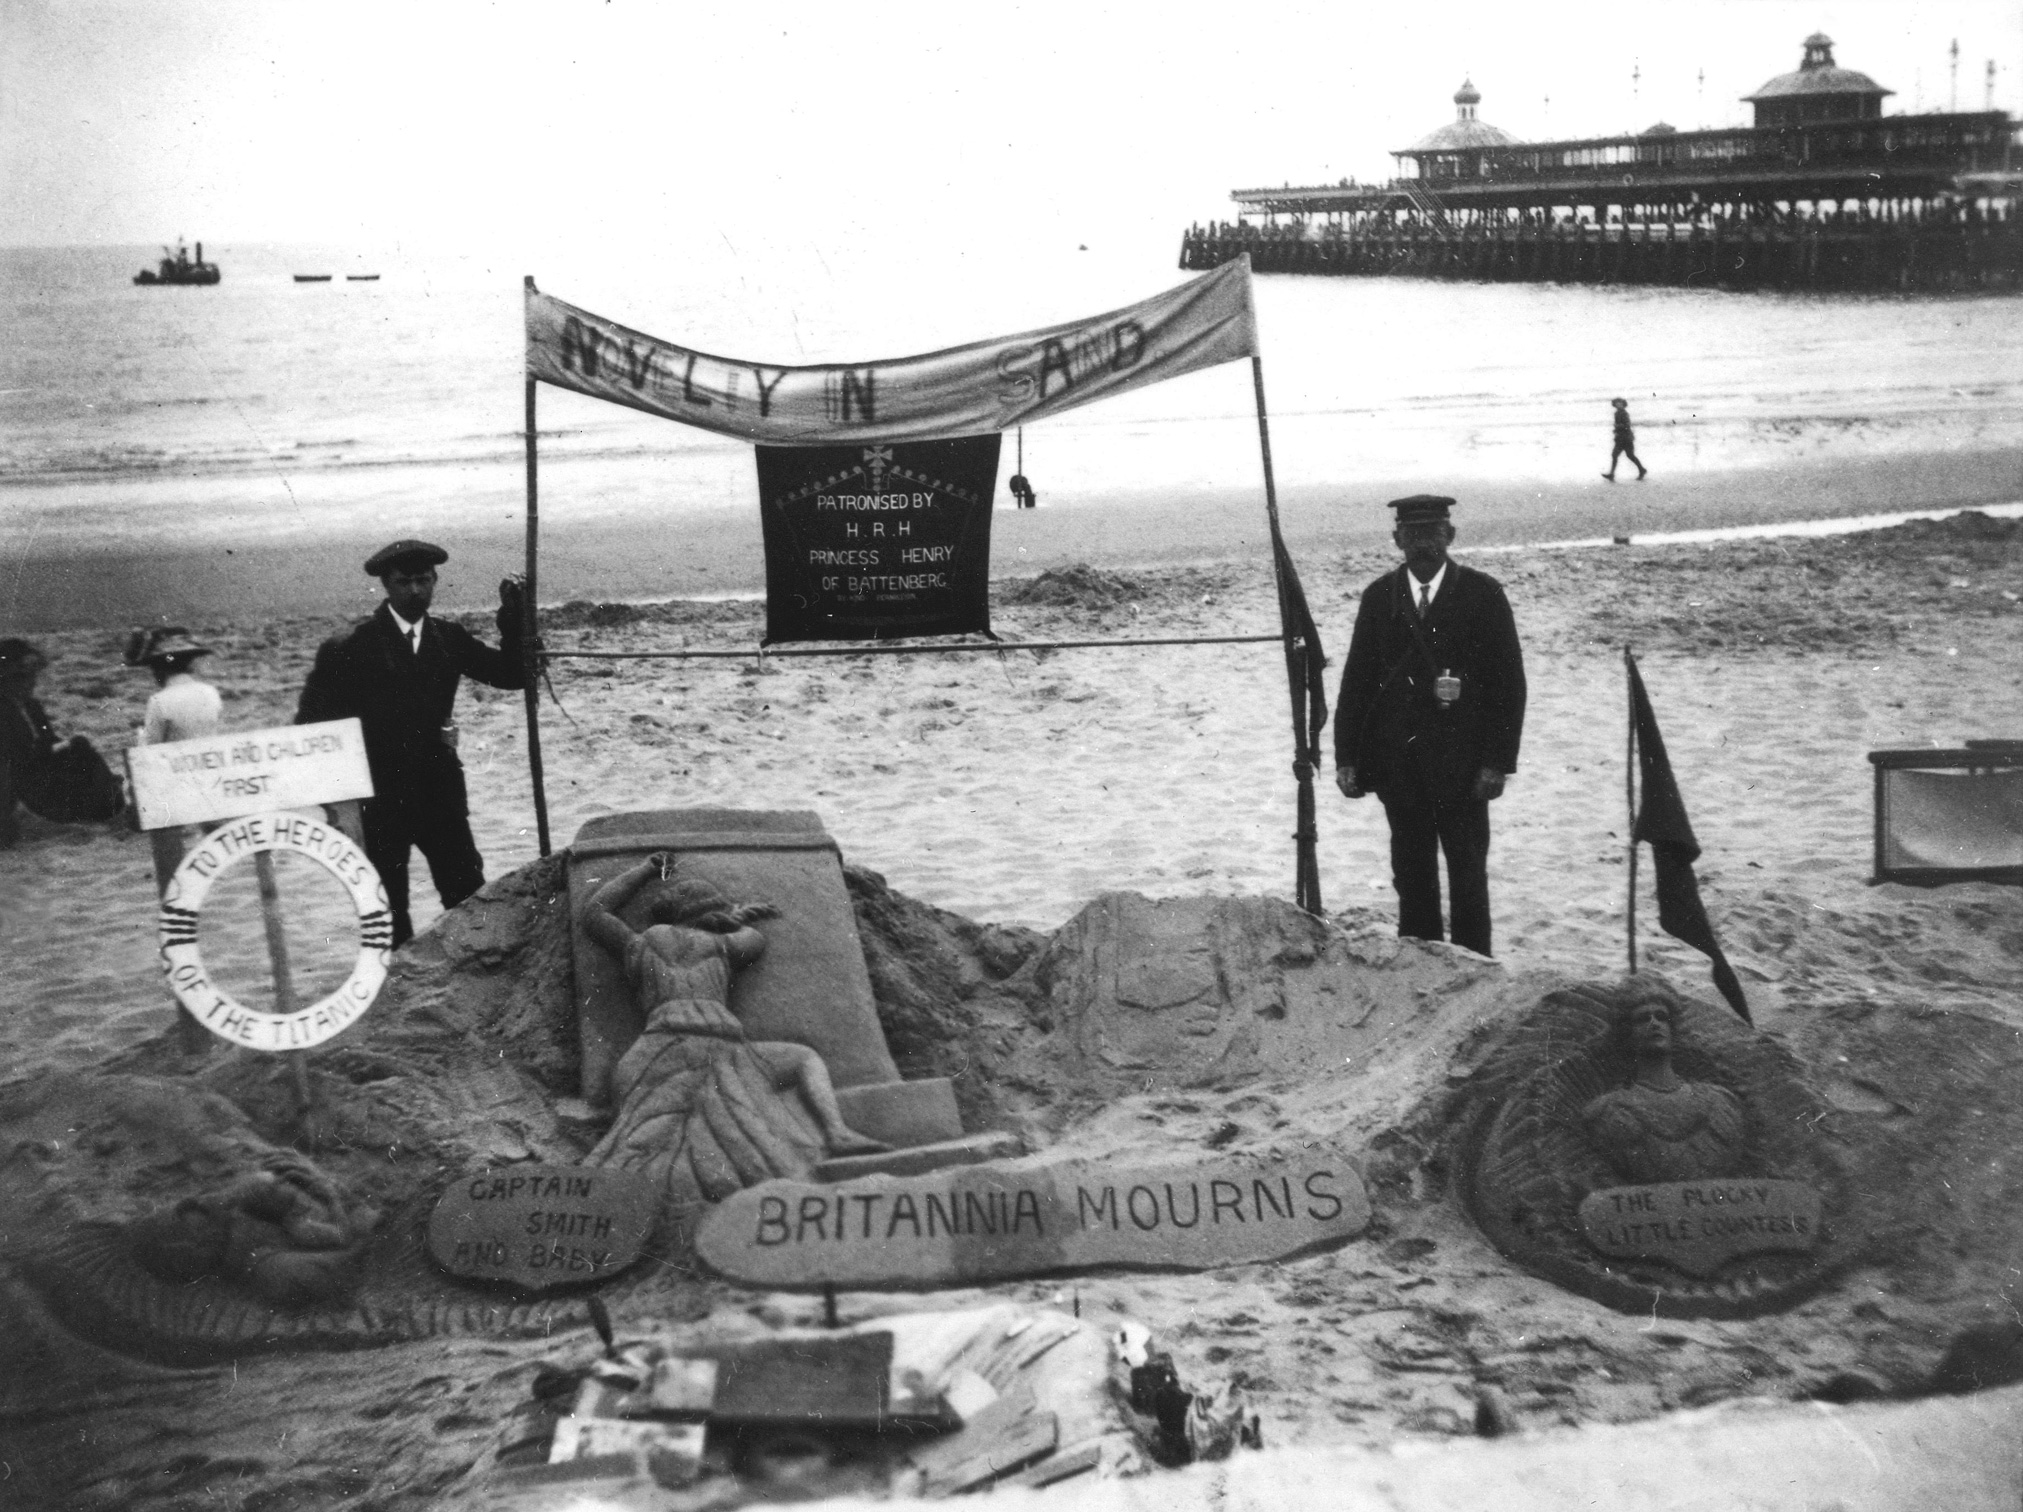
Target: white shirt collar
{"type": "Point", "coordinates": [1432, 584]}
{"type": "Point", "coordinates": [407, 627]}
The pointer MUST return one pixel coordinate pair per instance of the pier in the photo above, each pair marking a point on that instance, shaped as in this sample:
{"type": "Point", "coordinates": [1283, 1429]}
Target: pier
{"type": "Point", "coordinates": [1822, 192]}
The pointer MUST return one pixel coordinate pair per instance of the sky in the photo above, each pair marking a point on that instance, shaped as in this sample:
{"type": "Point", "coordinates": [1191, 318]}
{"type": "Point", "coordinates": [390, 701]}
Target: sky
{"type": "Point", "coordinates": [625, 123]}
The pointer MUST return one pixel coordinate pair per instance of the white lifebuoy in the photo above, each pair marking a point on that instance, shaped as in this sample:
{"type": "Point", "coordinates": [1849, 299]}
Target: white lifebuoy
{"type": "Point", "coordinates": [214, 1008]}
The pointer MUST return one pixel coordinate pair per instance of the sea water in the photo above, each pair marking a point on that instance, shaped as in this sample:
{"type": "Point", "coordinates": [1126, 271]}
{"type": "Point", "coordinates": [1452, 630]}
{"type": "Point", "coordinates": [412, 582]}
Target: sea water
{"type": "Point", "coordinates": [267, 411]}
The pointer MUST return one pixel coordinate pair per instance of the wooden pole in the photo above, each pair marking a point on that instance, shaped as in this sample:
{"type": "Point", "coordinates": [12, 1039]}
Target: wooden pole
{"type": "Point", "coordinates": [530, 622]}
{"type": "Point", "coordinates": [1630, 793]}
{"type": "Point", "coordinates": [1306, 863]}
{"type": "Point", "coordinates": [284, 979]}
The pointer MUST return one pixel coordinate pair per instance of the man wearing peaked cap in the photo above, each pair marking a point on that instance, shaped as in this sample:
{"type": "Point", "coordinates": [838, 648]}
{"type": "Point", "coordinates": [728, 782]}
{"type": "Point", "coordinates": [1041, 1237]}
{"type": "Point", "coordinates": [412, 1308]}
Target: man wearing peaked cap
{"type": "Point", "coordinates": [397, 674]}
{"type": "Point", "coordinates": [411, 554]}
{"type": "Point", "coordinates": [1429, 718]}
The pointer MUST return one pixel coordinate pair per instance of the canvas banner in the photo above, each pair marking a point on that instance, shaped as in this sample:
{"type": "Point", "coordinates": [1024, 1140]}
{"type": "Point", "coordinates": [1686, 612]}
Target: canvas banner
{"type": "Point", "coordinates": [869, 542]}
{"type": "Point", "coordinates": [964, 391]}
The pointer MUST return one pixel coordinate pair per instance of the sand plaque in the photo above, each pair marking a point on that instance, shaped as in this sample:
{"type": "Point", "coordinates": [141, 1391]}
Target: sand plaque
{"type": "Point", "coordinates": [542, 1226]}
{"type": "Point", "coordinates": [991, 1222]}
{"type": "Point", "coordinates": [1700, 1226]}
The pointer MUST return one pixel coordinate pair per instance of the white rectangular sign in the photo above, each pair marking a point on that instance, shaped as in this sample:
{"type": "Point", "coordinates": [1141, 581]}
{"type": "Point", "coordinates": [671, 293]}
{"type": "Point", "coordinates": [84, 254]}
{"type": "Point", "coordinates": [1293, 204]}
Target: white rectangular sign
{"type": "Point", "coordinates": [248, 772]}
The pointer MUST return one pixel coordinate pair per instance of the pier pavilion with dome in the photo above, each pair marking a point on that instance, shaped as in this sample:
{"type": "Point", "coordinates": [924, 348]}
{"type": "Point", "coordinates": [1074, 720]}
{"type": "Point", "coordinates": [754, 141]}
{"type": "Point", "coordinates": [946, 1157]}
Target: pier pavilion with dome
{"type": "Point", "coordinates": [1823, 190]}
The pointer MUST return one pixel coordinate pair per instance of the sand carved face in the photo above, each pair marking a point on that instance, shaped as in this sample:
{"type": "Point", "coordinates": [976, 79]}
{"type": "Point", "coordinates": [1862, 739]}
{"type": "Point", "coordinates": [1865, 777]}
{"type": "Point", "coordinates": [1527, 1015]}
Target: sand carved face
{"type": "Point", "coordinates": [1661, 1126]}
{"type": "Point", "coordinates": [1650, 1026]}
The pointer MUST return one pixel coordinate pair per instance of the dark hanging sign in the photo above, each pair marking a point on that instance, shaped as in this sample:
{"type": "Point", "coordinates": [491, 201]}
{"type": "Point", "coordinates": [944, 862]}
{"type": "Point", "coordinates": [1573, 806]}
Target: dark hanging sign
{"type": "Point", "coordinates": [873, 542]}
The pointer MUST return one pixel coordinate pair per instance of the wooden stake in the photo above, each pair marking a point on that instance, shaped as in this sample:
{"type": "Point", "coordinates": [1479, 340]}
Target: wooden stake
{"type": "Point", "coordinates": [284, 982]}
{"type": "Point", "coordinates": [530, 622]}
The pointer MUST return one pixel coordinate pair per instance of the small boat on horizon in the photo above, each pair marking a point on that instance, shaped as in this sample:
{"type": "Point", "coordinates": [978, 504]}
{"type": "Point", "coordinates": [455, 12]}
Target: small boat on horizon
{"type": "Point", "coordinates": [361, 278]}
{"type": "Point", "coordinates": [312, 278]}
{"type": "Point", "coordinates": [177, 267]}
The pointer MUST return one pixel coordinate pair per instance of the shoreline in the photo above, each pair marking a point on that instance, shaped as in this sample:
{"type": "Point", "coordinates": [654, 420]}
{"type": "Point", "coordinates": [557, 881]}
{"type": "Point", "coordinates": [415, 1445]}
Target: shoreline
{"type": "Point", "coordinates": [48, 584]}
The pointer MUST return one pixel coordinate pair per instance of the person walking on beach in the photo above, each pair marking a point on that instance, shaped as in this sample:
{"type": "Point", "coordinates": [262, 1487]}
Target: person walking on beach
{"type": "Point", "coordinates": [1625, 444]}
{"type": "Point", "coordinates": [62, 780]}
{"type": "Point", "coordinates": [1429, 718]}
{"type": "Point", "coordinates": [397, 674]}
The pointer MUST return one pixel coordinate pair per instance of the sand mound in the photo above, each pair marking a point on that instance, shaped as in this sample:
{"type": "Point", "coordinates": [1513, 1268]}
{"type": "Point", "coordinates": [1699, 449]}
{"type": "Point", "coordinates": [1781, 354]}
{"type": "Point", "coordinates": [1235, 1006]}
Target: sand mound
{"type": "Point", "coordinates": [1141, 1027]}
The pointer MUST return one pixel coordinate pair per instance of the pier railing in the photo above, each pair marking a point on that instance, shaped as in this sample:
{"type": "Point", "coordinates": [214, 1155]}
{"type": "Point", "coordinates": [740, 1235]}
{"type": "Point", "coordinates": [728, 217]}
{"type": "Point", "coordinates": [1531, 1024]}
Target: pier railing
{"type": "Point", "coordinates": [1955, 254]}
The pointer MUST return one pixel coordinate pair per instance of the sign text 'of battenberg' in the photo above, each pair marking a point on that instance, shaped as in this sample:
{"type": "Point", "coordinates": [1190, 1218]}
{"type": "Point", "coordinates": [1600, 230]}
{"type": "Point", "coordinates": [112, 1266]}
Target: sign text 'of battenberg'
{"type": "Point", "coordinates": [1032, 1217]}
{"type": "Point", "coordinates": [248, 772]}
{"type": "Point", "coordinates": [542, 1226]}
{"type": "Point", "coordinates": [988, 385]}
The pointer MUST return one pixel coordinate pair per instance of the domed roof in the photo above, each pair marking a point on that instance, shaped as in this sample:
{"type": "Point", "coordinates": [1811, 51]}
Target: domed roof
{"type": "Point", "coordinates": [1817, 75]}
{"type": "Point", "coordinates": [1464, 130]}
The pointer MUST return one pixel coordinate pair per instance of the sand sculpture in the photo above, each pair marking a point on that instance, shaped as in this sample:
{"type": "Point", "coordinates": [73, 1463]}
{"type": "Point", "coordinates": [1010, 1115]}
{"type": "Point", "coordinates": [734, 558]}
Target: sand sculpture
{"type": "Point", "coordinates": [726, 1054]}
{"type": "Point", "coordinates": [1653, 1152]}
{"type": "Point", "coordinates": [284, 1230]}
{"type": "Point", "coordinates": [704, 1109]}
{"type": "Point", "coordinates": [1662, 1127]}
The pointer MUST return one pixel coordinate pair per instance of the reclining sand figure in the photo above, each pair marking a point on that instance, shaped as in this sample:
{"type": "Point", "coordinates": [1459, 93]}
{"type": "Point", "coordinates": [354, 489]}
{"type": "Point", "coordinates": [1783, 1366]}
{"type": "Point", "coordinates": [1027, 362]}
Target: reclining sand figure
{"type": "Point", "coordinates": [285, 1230]}
{"type": "Point", "coordinates": [701, 1108]}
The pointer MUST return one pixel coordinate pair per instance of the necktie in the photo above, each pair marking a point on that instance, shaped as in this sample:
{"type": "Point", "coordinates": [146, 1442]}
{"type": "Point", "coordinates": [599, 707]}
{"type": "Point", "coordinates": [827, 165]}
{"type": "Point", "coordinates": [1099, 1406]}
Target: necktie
{"type": "Point", "coordinates": [414, 639]}
{"type": "Point", "coordinates": [1425, 599]}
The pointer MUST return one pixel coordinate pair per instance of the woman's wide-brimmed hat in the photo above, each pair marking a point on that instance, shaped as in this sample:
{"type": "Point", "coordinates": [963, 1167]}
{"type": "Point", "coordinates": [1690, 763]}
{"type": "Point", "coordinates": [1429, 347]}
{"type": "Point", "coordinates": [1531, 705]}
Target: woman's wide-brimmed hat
{"type": "Point", "coordinates": [166, 643]}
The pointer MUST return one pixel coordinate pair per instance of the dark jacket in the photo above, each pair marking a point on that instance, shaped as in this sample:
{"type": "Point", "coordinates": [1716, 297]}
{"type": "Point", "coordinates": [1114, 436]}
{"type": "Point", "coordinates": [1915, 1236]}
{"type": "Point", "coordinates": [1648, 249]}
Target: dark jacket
{"type": "Point", "coordinates": [70, 784]}
{"type": "Point", "coordinates": [404, 698]}
{"type": "Point", "coordinates": [1388, 721]}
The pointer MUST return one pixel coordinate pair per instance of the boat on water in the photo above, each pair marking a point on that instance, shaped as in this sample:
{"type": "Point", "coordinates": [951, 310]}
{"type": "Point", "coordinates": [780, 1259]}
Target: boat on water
{"type": "Point", "coordinates": [361, 278]}
{"type": "Point", "coordinates": [312, 278]}
{"type": "Point", "coordinates": [178, 267]}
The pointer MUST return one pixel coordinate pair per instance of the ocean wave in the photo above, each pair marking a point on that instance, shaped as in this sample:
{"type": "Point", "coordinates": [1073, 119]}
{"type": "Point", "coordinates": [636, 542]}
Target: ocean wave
{"type": "Point", "coordinates": [29, 466]}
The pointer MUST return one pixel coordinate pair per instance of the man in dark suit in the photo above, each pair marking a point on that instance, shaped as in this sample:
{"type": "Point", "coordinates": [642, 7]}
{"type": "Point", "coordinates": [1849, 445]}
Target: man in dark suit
{"type": "Point", "coordinates": [397, 673]}
{"type": "Point", "coordinates": [1431, 709]}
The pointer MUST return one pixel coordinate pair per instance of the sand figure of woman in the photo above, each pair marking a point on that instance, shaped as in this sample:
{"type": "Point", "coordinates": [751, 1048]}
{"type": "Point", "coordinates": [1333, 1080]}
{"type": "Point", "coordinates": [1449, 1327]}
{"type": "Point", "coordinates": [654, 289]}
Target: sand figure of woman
{"type": "Point", "coordinates": [1662, 1127]}
{"type": "Point", "coordinates": [702, 1108]}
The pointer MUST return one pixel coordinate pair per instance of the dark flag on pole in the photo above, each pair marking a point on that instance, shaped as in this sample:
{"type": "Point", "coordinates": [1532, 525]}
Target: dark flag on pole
{"type": "Point", "coordinates": [1306, 677]}
{"type": "Point", "coordinates": [1661, 820]}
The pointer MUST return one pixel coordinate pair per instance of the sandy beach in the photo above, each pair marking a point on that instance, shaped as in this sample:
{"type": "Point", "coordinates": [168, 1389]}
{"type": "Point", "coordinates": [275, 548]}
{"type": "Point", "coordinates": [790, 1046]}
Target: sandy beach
{"type": "Point", "coordinates": [1012, 787]}
{"type": "Point", "coordinates": [1015, 787]}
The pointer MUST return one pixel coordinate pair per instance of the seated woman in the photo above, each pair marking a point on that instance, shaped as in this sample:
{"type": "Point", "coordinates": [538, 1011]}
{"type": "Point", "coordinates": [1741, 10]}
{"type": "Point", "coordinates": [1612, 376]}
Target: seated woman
{"type": "Point", "coordinates": [701, 1108]}
{"type": "Point", "coordinates": [62, 780]}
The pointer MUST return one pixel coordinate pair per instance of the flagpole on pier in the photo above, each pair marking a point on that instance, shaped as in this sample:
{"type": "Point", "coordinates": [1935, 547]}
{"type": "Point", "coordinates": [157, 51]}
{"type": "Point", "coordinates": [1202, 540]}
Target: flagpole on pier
{"type": "Point", "coordinates": [1630, 793]}
{"type": "Point", "coordinates": [530, 622]}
